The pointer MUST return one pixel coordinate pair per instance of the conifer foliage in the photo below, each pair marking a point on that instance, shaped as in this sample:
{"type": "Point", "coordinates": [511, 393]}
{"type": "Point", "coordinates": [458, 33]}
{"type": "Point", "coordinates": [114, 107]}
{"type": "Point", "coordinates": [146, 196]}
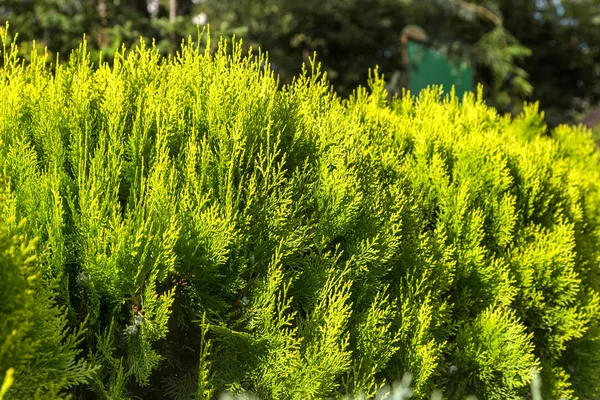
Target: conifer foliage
{"type": "Point", "coordinates": [38, 357]}
{"type": "Point", "coordinates": [201, 228]}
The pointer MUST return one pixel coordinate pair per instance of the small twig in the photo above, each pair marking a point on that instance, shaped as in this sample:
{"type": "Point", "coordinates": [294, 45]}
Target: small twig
{"type": "Point", "coordinates": [481, 10]}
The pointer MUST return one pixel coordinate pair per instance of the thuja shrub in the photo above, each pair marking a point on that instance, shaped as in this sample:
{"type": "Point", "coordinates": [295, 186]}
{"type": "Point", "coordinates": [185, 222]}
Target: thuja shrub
{"type": "Point", "coordinates": [201, 228]}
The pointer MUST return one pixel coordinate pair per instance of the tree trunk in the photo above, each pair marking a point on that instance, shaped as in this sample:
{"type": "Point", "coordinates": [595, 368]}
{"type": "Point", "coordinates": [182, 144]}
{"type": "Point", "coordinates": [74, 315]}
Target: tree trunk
{"type": "Point", "coordinates": [172, 10]}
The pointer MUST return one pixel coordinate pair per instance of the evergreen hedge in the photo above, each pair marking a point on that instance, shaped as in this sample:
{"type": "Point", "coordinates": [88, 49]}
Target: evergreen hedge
{"type": "Point", "coordinates": [201, 228]}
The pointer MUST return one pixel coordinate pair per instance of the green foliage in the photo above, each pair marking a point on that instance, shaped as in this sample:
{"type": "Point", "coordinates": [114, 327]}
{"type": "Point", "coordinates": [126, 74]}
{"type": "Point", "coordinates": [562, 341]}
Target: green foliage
{"type": "Point", "coordinates": [495, 355]}
{"type": "Point", "coordinates": [38, 354]}
{"type": "Point", "coordinates": [538, 50]}
{"type": "Point", "coordinates": [214, 231]}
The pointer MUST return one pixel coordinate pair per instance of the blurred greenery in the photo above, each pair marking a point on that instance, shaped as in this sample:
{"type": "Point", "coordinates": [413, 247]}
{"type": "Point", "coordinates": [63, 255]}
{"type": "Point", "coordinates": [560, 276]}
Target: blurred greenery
{"type": "Point", "coordinates": [534, 50]}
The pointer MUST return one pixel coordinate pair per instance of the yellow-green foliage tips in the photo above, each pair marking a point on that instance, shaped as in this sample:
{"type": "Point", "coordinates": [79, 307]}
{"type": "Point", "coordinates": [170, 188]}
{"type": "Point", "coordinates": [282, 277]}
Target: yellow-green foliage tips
{"type": "Point", "coordinates": [206, 229]}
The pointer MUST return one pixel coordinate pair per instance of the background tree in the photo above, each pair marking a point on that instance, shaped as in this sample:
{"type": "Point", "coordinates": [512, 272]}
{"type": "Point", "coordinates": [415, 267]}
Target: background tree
{"type": "Point", "coordinates": [564, 38]}
{"type": "Point", "coordinates": [522, 50]}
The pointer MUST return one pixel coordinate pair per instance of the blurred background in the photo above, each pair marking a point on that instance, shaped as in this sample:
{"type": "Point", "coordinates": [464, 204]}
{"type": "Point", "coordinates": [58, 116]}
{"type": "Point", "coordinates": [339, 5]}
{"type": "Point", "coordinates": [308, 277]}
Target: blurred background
{"type": "Point", "coordinates": [520, 50]}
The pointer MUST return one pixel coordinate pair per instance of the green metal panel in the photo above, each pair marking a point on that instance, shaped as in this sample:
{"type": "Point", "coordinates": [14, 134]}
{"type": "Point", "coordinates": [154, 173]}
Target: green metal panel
{"type": "Point", "coordinates": [428, 66]}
